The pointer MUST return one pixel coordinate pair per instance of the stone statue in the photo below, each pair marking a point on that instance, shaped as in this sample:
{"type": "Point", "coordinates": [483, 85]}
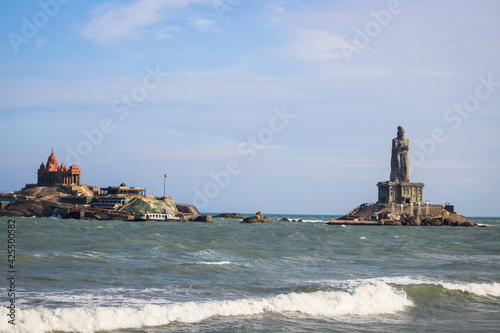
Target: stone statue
{"type": "Point", "coordinates": [400, 159]}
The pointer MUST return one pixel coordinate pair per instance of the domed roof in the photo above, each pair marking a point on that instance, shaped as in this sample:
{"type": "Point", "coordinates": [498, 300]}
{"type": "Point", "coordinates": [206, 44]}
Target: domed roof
{"type": "Point", "coordinates": [52, 163]}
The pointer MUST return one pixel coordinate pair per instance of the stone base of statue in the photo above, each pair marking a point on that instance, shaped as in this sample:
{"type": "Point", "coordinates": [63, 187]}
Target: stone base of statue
{"type": "Point", "coordinates": [400, 192]}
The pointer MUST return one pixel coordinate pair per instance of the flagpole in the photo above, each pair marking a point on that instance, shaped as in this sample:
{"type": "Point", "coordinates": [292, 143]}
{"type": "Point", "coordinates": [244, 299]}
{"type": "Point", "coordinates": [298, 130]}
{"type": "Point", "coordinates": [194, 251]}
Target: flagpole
{"type": "Point", "coordinates": [164, 179]}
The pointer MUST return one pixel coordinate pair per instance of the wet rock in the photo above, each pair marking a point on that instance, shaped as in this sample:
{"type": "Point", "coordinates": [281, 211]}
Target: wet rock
{"type": "Point", "coordinates": [230, 216]}
{"type": "Point", "coordinates": [414, 221]}
{"type": "Point", "coordinates": [257, 218]}
{"type": "Point", "coordinates": [392, 222]}
{"type": "Point", "coordinates": [26, 209]}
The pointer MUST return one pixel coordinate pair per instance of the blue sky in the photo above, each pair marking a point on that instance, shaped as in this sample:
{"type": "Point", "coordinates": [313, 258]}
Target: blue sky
{"type": "Point", "coordinates": [278, 106]}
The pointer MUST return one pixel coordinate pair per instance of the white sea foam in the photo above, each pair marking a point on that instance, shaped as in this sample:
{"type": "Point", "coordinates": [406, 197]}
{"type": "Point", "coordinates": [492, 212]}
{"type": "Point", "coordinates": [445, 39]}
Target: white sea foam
{"type": "Point", "coordinates": [214, 263]}
{"type": "Point", "coordinates": [210, 253]}
{"type": "Point", "coordinates": [314, 221]}
{"type": "Point", "coordinates": [362, 300]}
{"type": "Point", "coordinates": [481, 289]}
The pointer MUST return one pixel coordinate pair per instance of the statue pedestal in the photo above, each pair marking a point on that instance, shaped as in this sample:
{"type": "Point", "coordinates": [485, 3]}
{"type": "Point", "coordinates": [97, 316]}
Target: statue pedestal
{"type": "Point", "coordinates": [400, 192]}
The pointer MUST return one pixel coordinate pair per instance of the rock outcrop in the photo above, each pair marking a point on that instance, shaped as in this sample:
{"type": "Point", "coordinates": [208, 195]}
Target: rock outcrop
{"type": "Point", "coordinates": [445, 219]}
{"type": "Point", "coordinates": [150, 205]}
{"type": "Point", "coordinates": [44, 192]}
{"type": "Point", "coordinates": [230, 216]}
{"type": "Point", "coordinates": [380, 214]}
{"type": "Point", "coordinates": [257, 218]}
{"type": "Point", "coordinates": [26, 209]}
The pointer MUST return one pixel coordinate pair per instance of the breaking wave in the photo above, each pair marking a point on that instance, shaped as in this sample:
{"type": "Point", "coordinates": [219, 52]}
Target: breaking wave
{"type": "Point", "coordinates": [362, 300]}
{"type": "Point", "coordinates": [481, 289]}
{"type": "Point", "coordinates": [212, 263]}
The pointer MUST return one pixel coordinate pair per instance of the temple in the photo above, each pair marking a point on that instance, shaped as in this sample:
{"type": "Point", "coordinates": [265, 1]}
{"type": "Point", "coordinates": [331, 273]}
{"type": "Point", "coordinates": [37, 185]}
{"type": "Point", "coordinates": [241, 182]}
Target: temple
{"type": "Point", "coordinates": [53, 174]}
{"type": "Point", "coordinates": [399, 189]}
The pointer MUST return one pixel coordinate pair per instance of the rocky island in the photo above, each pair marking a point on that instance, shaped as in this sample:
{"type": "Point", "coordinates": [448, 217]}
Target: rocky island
{"type": "Point", "coordinates": [230, 216]}
{"type": "Point", "coordinates": [400, 201]}
{"type": "Point", "coordinates": [257, 218]}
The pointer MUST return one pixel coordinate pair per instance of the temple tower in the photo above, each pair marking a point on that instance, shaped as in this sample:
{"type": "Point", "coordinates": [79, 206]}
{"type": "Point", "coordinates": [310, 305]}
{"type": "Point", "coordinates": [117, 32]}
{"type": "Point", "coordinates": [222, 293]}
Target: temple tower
{"type": "Point", "coordinates": [53, 174]}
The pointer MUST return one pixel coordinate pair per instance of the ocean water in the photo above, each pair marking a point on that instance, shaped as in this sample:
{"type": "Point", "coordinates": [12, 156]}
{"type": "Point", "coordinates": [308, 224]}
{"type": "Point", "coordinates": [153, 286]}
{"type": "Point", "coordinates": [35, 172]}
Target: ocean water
{"type": "Point", "coordinates": [112, 276]}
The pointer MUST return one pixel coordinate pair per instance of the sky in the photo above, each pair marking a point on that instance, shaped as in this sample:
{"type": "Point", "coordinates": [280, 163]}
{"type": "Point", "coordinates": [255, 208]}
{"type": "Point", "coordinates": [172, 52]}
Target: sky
{"type": "Point", "coordinates": [284, 107]}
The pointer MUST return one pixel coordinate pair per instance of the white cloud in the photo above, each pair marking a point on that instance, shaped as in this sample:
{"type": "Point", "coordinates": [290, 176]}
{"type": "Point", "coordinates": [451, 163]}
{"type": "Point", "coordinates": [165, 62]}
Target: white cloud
{"type": "Point", "coordinates": [113, 21]}
{"type": "Point", "coordinates": [202, 24]}
{"type": "Point", "coordinates": [429, 73]}
{"type": "Point", "coordinates": [316, 45]}
{"type": "Point", "coordinates": [167, 32]}
{"type": "Point", "coordinates": [40, 42]}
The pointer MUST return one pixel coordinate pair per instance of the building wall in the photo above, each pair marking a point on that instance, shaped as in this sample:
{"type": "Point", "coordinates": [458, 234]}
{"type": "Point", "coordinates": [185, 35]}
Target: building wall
{"type": "Point", "coordinates": [400, 192]}
{"type": "Point", "coordinates": [47, 178]}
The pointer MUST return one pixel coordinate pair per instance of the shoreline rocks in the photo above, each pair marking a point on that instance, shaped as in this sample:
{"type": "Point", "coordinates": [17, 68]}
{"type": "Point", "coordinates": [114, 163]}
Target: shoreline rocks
{"type": "Point", "coordinates": [445, 219]}
{"type": "Point", "coordinates": [257, 218]}
{"type": "Point", "coordinates": [380, 214]}
{"type": "Point", "coordinates": [26, 209]}
{"type": "Point", "coordinates": [230, 216]}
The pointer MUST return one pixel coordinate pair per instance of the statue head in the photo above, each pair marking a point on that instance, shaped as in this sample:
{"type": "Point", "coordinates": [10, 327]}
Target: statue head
{"type": "Point", "coordinates": [401, 132]}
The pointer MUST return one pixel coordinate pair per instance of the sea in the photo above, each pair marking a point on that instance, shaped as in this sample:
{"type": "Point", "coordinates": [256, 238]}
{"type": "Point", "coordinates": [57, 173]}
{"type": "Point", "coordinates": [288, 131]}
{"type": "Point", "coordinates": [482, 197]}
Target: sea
{"type": "Point", "coordinates": [115, 276]}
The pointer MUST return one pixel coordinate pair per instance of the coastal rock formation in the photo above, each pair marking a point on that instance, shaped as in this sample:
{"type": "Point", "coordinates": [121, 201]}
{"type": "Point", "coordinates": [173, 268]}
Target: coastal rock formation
{"type": "Point", "coordinates": [34, 209]}
{"type": "Point", "coordinates": [445, 219]}
{"type": "Point", "coordinates": [230, 216]}
{"type": "Point", "coordinates": [44, 192]}
{"type": "Point", "coordinates": [26, 209]}
{"type": "Point", "coordinates": [150, 205]}
{"type": "Point", "coordinates": [257, 218]}
{"type": "Point", "coordinates": [285, 219]}
{"type": "Point", "coordinates": [414, 221]}
{"type": "Point", "coordinates": [380, 214]}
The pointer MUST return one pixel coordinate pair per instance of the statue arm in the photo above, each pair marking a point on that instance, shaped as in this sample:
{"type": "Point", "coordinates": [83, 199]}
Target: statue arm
{"type": "Point", "coordinates": [406, 145]}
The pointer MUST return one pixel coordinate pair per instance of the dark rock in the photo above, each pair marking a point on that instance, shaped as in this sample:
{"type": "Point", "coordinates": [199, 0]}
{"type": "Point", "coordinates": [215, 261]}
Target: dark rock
{"type": "Point", "coordinates": [230, 216]}
{"type": "Point", "coordinates": [456, 220]}
{"type": "Point", "coordinates": [257, 218]}
{"type": "Point", "coordinates": [392, 222]}
{"type": "Point", "coordinates": [204, 218]}
{"type": "Point", "coordinates": [414, 221]}
{"type": "Point", "coordinates": [285, 219]}
{"type": "Point", "coordinates": [437, 222]}
{"type": "Point", "coordinates": [26, 209]}
{"type": "Point", "coordinates": [468, 224]}
{"type": "Point", "coordinates": [432, 221]}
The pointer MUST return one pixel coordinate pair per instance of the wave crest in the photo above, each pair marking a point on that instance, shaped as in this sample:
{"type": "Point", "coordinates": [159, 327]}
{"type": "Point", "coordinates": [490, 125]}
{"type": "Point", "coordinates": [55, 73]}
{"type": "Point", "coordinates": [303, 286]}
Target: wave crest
{"type": "Point", "coordinates": [481, 289]}
{"type": "Point", "coordinates": [362, 300]}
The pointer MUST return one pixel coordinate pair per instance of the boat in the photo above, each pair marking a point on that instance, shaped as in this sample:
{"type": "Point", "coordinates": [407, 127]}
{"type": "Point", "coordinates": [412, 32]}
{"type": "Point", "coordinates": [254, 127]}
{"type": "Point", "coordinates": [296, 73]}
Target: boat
{"type": "Point", "coordinates": [166, 217]}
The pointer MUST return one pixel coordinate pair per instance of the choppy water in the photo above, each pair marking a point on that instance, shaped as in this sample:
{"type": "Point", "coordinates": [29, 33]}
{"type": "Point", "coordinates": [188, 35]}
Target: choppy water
{"type": "Point", "coordinates": [89, 276]}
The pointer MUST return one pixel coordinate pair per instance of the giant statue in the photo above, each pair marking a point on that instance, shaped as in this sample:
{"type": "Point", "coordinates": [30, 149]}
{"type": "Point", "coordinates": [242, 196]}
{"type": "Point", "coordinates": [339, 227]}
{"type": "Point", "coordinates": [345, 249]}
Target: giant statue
{"type": "Point", "coordinates": [400, 161]}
